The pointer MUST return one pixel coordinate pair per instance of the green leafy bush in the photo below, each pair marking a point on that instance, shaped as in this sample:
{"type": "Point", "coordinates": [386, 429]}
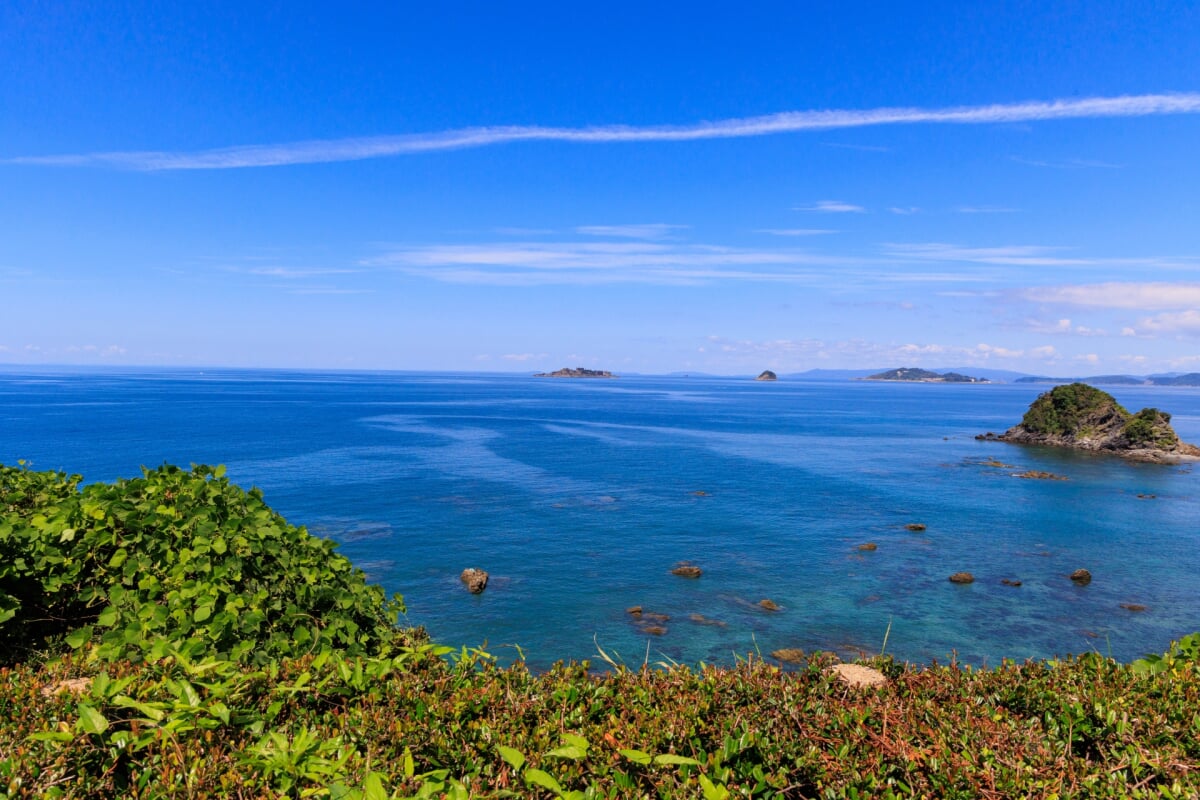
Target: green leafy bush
{"type": "Point", "coordinates": [1064, 409]}
{"type": "Point", "coordinates": [1151, 428]}
{"type": "Point", "coordinates": [175, 559]}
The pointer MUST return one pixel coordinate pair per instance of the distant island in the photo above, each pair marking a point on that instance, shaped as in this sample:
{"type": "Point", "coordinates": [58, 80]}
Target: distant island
{"type": "Point", "coordinates": [1082, 417]}
{"type": "Point", "coordinates": [767, 375]}
{"type": "Point", "coordinates": [915, 375]}
{"type": "Point", "coordinates": [1190, 379]}
{"type": "Point", "coordinates": [577, 372]}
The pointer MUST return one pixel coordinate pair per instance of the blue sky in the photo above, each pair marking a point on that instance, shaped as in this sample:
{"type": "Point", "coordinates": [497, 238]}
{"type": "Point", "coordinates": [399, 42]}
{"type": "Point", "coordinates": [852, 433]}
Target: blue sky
{"type": "Point", "coordinates": [515, 187]}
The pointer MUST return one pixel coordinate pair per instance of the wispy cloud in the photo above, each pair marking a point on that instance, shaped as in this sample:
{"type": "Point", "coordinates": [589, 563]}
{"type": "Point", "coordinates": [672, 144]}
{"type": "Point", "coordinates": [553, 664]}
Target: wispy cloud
{"type": "Point", "coordinates": [866, 148]}
{"type": "Point", "coordinates": [862, 352]}
{"type": "Point", "coordinates": [1150, 296]}
{"type": "Point", "coordinates": [1070, 163]}
{"type": "Point", "coordinates": [355, 149]}
{"type": "Point", "coordinates": [1174, 322]}
{"type": "Point", "coordinates": [905, 210]}
{"type": "Point", "coordinates": [1012, 255]}
{"type": "Point", "coordinates": [832, 207]}
{"type": "Point", "coordinates": [656, 230]}
{"type": "Point", "coordinates": [590, 263]}
{"type": "Point", "coordinates": [986, 210]}
{"type": "Point", "coordinates": [292, 273]}
{"type": "Point", "coordinates": [795, 231]}
{"type": "Point", "coordinates": [1063, 327]}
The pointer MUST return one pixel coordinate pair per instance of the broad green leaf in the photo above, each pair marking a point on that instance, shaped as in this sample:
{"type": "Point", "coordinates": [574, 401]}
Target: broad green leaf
{"type": "Point", "coordinates": [713, 791]}
{"type": "Point", "coordinates": [543, 779]}
{"type": "Point", "coordinates": [79, 636]}
{"type": "Point", "coordinates": [514, 757]}
{"type": "Point", "coordinates": [373, 788]}
{"type": "Point", "coordinates": [637, 756]}
{"type": "Point", "coordinates": [570, 751]}
{"type": "Point", "coordinates": [91, 720]}
{"type": "Point", "coordinates": [576, 740]}
{"type": "Point", "coordinates": [118, 558]}
{"type": "Point", "coordinates": [671, 758]}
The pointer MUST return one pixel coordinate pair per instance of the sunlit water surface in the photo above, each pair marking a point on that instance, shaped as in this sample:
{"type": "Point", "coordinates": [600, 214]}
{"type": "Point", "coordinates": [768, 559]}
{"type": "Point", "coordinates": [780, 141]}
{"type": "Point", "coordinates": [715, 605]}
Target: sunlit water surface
{"type": "Point", "coordinates": [579, 496]}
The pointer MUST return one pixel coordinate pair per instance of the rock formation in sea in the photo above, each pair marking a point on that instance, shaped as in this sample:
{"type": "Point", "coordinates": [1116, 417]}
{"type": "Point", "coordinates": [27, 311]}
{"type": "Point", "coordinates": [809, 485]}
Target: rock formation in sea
{"type": "Point", "coordinates": [576, 372]}
{"type": "Point", "coordinates": [917, 375]}
{"type": "Point", "coordinates": [686, 570]}
{"type": "Point", "coordinates": [767, 375]}
{"type": "Point", "coordinates": [475, 579]}
{"type": "Point", "coordinates": [1082, 417]}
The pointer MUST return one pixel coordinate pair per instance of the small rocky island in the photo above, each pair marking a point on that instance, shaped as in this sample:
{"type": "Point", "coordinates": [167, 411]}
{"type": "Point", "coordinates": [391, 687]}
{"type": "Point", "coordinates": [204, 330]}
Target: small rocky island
{"type": "Point", "coordinates": [916, 375]}
{"type": "Point", "coordinates": [1082, 417]}
{"type": "Point", "coordinates": [577, 372]}
{"type": "Point", "coordinates": [767, 375]}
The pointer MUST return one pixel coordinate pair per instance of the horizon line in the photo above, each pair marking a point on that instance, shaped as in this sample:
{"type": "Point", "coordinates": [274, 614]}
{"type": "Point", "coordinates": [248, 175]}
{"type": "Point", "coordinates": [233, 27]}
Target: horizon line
{"type": "Point", "coordinates": [322, 151]}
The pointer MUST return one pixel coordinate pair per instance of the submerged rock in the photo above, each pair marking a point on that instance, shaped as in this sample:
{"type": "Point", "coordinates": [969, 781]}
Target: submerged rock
{"type": "Point", "coordinates": [769, 605]}
{"type": "Point", "coordinates": [868, 547]}
{"type": "Point", "coordinates": [1037, 474]}
{"type": "Point", "coordinates": [1081, 577]}
{"type": "Point", "coordinates": [915, 527]}
{"type": "Point", "coordinates": [962, 577]}
{"type": "Point", "coordinates": [793, 655]}
{"type": "Point", "coordinates": [686, 570]}
{"type": "Point", "coordinates": [700, 619]}
{"type": "Point", "coordinates": [475, 579]}
{"type": "Point", "coordinates": [1133, 606]}
{"type": "Point", "coordinates": [1010, 582]}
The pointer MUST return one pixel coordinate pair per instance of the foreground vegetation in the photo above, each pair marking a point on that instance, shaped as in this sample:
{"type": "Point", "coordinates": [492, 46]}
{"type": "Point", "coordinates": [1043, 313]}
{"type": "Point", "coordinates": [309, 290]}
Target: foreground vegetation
{"type": "Point", "coordinates": [318, 695]}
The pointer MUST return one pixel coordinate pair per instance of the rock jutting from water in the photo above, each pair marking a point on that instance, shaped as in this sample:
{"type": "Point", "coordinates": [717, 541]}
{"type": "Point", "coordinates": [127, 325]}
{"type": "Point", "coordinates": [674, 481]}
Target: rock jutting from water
{"type": "Point", "coordinates": [475, 579]}
{"type": "Point", "coordinates": [1082, 417]}
{"type": "Point", "coordinates": [767, 375]}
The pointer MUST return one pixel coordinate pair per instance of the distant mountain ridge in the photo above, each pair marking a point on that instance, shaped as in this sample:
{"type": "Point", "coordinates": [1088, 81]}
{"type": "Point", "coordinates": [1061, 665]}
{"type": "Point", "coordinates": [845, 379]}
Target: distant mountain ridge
{"type": "Point", "coordinates": [1189, 379]}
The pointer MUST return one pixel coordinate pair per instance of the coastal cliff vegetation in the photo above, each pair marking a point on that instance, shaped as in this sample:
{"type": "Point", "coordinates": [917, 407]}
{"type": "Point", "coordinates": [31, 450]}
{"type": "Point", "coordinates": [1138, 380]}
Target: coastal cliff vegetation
{"type": "Point", "coordinates": [172, 636]}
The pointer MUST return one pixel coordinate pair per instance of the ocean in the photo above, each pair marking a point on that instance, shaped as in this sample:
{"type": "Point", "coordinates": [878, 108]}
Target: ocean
{"type": "Point", "coordinates": [580, 496]}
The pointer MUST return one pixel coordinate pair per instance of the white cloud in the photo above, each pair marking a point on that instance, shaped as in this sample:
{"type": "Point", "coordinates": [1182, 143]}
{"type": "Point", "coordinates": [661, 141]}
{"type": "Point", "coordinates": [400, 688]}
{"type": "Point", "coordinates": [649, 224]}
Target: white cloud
{"type": "Point", "coordinates": [986, 210]}
{"type": "Point", "coordinates": [905, 210]}
{"type": "Point", "coordinates": [1070, 163]}
{"type": "Point", "coordinates": [656, 230]}
{"type": "Point", "coordinates": [1142, 296]}
{"type": "Point", "coordinates": [1174, 322]}
{"type": "Point", "coordinates": [795, 231]}
{"type": "Point", "coordinates": [1064, 326]}
{"type": "Point", "coordinates": [1012, 255]}
{"type": "Point", "coordinates": [290, 273]}
{"type": "Point", "coordinates": [354, 149]}
{"type": "Point", "coordinates": [591, 263]}
{"type": "Point", "coordinates": [1089, 358]}
{"type": "Point", "coordinates": [832, 207]}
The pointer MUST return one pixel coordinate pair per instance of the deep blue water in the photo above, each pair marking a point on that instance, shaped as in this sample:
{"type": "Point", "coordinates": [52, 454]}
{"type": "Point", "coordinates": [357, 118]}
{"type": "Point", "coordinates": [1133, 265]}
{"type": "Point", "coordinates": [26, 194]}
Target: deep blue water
{"type": "Point", "coordinates": [579, 496]}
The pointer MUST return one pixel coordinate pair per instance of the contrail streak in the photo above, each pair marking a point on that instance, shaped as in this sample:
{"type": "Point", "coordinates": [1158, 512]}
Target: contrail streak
{"type": "Point", "coordinates": [357, 149]}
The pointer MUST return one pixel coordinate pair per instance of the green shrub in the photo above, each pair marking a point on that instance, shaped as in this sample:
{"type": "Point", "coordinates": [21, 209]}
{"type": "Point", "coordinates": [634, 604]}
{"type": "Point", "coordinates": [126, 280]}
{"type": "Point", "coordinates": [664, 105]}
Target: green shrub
{"type": "Point", "coordinates": [1151, 427]}
{"type": "Point", "coordinates": [175, 559]}
{"type": "Point", "coordinates": [1063, 409]}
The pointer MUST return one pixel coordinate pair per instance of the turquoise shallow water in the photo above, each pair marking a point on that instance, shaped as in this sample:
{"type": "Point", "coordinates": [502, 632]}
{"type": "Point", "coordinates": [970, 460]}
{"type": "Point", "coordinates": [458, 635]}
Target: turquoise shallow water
{"type": "Point", "coordinates": [579, 496]}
